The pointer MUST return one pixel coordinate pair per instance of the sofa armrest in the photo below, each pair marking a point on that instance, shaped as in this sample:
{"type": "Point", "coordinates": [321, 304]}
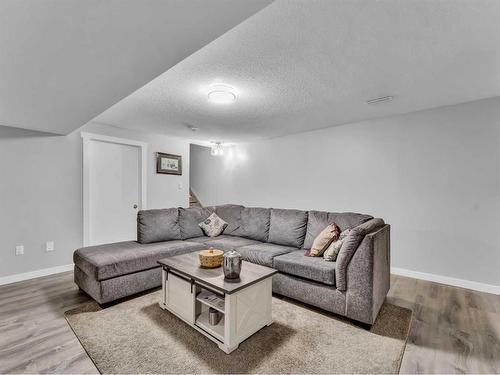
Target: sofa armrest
{"type": "Point", "coordinates": [368, 276]}
{"type": "Point", "coordinates": [349, 248]}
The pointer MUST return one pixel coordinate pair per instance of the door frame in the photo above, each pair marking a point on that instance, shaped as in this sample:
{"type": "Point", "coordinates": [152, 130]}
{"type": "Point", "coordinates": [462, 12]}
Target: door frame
{"type": "Point", "coordinates": [90, 137]}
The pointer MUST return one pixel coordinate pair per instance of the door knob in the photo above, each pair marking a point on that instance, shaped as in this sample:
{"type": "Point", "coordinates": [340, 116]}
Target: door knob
{"type": "Point", "coordinates": [135, 206]}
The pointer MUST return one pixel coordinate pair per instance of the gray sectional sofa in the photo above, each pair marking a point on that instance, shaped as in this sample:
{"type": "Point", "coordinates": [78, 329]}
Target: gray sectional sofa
{"type": "Point", "coordinates": [354, 286]}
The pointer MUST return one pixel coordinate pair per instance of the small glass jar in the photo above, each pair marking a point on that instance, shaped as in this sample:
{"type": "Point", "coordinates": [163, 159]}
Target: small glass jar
{"type": "Point", "coordinates": [232, 265]}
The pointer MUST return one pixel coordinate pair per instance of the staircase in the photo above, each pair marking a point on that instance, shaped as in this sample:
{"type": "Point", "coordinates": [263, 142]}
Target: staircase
{"type": "Point", "coordinates": [193, 200]}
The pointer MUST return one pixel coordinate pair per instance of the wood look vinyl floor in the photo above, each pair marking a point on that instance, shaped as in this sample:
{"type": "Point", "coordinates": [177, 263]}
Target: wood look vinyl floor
{"type": "Point", "coordinates": [453, 330]}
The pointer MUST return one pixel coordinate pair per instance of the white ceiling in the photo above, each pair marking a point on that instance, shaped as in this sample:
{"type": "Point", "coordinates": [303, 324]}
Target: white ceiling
{"type": "Point", "coordinates": [62, 62]}
{"type": "Point", "coordinates": [308, 64]}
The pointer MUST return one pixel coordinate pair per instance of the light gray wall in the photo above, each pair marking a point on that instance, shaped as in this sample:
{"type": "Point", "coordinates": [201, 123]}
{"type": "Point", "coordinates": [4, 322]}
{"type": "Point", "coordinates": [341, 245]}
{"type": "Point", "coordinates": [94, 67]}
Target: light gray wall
{"type": "Point", "coordinates": [433, 175]}
{"type": "Point", "coordinates": [41, 192]}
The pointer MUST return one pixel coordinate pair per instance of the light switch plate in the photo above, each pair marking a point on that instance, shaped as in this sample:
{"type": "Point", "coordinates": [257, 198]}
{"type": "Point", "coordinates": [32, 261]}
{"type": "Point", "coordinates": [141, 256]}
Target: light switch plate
{"type": "Point", "coordinates": [19, 250]}
{"type": "Point", "coordinates": [49, 246]}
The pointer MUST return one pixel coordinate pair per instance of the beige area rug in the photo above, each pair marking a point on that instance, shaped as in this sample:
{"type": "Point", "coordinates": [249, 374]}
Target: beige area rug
{"type": "Point", "coordinates": [137, 336]}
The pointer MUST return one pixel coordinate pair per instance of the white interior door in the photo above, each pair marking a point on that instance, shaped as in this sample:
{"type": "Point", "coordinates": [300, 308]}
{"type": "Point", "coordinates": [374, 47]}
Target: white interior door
{"type": "Point", "coordinates": [114, 191]}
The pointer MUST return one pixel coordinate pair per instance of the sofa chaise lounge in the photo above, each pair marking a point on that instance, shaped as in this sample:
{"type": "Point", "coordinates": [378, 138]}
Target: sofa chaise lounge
{"type": "Point", "coordinates": [355, 285]}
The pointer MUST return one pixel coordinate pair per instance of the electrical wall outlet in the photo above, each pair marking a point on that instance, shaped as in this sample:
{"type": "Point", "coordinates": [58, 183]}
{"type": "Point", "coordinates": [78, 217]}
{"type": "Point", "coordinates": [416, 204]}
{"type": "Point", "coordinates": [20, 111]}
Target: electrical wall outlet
{"type": "Point", "coordinates": [19, 250]}
{"type": "Point", "coordinates": [49, 246]}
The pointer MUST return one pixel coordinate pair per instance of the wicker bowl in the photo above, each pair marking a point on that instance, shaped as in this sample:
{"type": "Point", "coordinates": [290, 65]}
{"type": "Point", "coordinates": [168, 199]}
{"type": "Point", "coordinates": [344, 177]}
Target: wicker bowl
{"type": "Point", "coordinates": [211, 258]}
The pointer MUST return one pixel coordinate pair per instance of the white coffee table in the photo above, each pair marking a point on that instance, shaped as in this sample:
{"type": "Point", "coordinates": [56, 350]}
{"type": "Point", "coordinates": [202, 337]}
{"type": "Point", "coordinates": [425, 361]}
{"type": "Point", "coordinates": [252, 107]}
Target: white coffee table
{"type": "Point", "coordinates": [188, 291]}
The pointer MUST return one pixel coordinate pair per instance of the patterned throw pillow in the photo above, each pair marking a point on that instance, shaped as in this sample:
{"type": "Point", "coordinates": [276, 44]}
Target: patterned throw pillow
{"type": "Point", "coordinates": [323, 240]}
{"type": "Point", "coordinates": [213, 225]}
{"type": "Point", "coordinates": [333, 250]}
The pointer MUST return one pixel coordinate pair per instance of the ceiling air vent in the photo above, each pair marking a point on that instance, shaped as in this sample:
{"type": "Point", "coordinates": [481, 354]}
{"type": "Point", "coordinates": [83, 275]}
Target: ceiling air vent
{"type": "Point", "coordinates": [382, 99]}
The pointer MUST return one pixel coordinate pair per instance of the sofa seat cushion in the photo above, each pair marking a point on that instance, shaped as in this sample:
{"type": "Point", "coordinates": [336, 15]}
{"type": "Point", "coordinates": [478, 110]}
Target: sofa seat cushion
{"type": "Point", "coordinates": [204, 239]}
{"type": "Point", "coordinates": [287, 227]}
{"type": "Point", "coordinates": [315, 268]}
{"type": "Point", "coordinates": [263, 253]}
{"type": "Point", "coordinates": [111, 260]}
{"type": "Point", "coordinates": [230, 242]}
{"type": "Point", "coordinates": [201, 239]}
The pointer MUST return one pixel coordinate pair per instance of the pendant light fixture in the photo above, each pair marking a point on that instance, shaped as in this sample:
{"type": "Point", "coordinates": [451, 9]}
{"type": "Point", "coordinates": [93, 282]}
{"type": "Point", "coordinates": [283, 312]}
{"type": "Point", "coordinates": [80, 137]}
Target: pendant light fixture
{"type": "Point", "coordinates": [216, 149]}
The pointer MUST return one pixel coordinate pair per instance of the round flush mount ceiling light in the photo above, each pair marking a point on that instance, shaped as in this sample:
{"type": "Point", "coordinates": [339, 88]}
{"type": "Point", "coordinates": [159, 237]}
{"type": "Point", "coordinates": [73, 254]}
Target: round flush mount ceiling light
{"type": "Point", "coordinates": [221, 94]}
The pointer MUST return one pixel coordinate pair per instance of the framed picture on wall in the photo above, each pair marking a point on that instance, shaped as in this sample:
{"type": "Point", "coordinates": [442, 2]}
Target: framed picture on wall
{"type": "Point", "coordinates": [168, 163]}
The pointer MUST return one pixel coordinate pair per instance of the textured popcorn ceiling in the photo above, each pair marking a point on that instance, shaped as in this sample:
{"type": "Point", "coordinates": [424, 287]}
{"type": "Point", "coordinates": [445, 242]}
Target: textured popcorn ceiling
{"type": "Point", "coordinates": [62, 62]}
{"type": "Point", "coordinates": [302, 65]}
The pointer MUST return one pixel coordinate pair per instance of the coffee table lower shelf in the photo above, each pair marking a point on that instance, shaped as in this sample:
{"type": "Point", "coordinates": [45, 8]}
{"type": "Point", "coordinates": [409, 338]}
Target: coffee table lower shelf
{"type": "Point", "coordinates": [217, 331]}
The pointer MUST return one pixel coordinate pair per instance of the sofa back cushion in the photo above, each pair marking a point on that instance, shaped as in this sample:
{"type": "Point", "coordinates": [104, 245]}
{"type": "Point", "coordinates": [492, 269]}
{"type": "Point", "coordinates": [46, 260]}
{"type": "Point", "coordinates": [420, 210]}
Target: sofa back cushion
{"type": "Point", "coordinates": [189, 218]}
{"type": "Point", "coordinates": [255, 223]}
{"type": "Point", "coordinates": [318, 220]}
{"type": "Point", "coordinates": [287, 227]}
{"type": "Point", "coordinates": [158, 225]}
{"type": "Point", "coordinates": [231, 214]}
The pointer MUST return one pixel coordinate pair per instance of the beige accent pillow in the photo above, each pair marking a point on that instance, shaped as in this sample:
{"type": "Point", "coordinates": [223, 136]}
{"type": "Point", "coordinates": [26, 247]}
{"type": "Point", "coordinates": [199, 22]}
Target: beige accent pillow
{"type": "Point", "coordinates": [213, 225]}
{"type": "Point", "coordinates": [333, 250]}
{"type": "Point", "coordinates": [323, 240]}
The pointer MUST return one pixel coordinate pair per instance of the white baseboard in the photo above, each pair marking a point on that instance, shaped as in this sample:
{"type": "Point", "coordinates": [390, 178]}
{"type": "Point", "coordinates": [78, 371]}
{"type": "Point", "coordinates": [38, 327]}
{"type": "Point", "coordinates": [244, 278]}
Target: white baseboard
{"type": "Point", "coordinates": [481, 287]}
{"type": "Point", "coordinates": [34, 274]}
{"type": "Point", "coordinates": [467, 284]}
